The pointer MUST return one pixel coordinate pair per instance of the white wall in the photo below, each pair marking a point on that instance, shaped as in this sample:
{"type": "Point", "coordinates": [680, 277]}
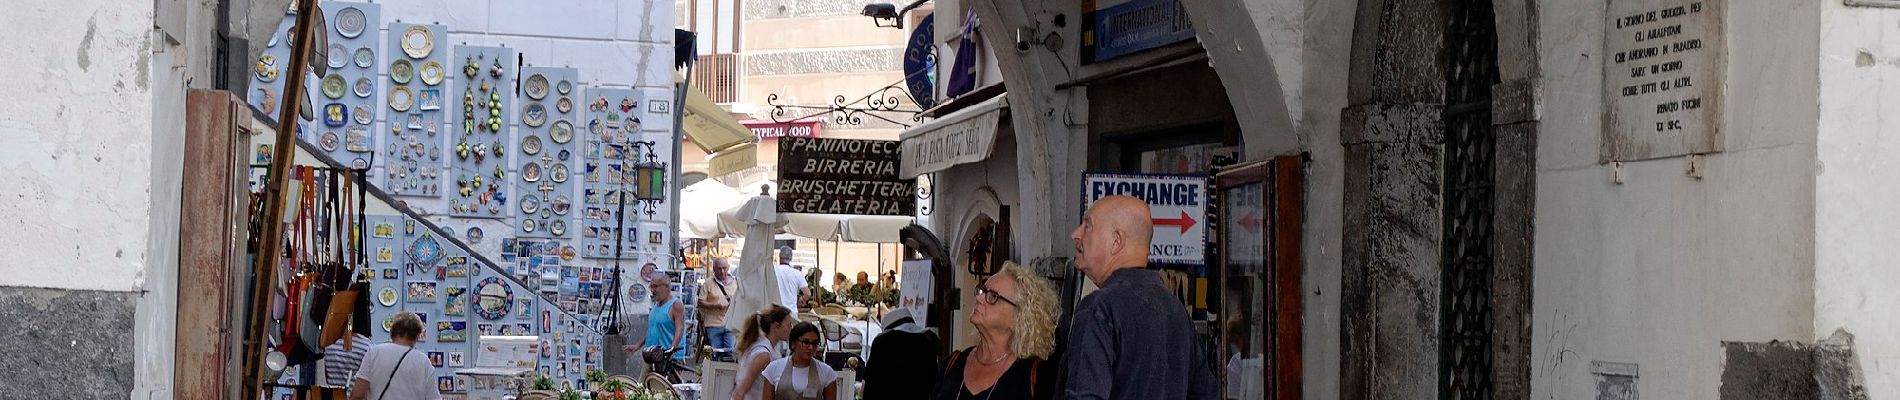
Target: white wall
{"type": "Point", "coordinates": [76, 145]}
{"type": "Point", "coordinates": [1660, 270]}
{"type": "Point", "coordinates": [1855, 189]}
{"type": "Point", "coordinates": [1318, 98]}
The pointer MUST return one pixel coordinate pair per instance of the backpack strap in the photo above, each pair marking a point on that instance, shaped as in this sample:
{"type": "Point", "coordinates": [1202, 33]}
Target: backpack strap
{"type": "Point", "coordinates": [392, 373]}
{"type": "Point", "coordinates": [1034, 364]}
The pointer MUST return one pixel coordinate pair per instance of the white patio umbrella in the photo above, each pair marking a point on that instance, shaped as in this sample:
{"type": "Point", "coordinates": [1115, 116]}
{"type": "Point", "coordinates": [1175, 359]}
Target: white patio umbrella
{"type": "Point", "coordinates": [758, 280]}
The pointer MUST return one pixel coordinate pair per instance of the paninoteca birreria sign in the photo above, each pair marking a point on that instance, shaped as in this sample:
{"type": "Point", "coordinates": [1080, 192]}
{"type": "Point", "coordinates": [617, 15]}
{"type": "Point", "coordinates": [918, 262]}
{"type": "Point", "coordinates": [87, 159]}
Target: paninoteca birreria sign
{"type": "Point", "coordinates": [843, 176]}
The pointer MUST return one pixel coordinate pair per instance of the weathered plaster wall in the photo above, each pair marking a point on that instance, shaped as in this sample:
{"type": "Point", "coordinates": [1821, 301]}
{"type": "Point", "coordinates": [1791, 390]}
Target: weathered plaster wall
{"type": "Point", "coordinates": [1854, 188]}
{"type": "Point", "coordinates": [1661, 269]}
{"type": "Point", "coordinates": [1326, 51]}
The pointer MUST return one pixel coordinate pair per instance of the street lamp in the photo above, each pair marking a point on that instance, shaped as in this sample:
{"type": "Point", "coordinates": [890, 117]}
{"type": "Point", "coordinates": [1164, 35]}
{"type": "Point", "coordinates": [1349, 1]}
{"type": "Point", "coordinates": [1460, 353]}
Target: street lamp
{"type": "Point", "coordinates": [881, 12]}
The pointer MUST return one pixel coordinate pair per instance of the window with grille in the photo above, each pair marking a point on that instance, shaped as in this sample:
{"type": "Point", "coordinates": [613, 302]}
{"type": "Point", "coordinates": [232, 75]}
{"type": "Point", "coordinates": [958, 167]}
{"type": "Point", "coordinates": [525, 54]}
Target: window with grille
{"type": "Point", "coordinates": [1469, 170]}
{"type": "Point", "coordinates": [718, 77]}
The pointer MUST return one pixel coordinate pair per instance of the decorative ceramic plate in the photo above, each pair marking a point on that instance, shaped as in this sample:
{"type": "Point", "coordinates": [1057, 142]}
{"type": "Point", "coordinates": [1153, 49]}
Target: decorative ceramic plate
{"type": "Point", "coordinates": [334, 87]}
{"type": "Point", "coordinates": [531, 172]}
{"type": "Point", "coordinates": [359, 163]}
{"type": "Point", "coordinates": [564, 87]}
{"type": "Point", "coordinates": [339, 56]}
{"type": "Point", "coordinates": [559, 228]}
{"type": "Point", "coordinates": [361, 114]}
{"type": "Point", "coordinates": [350, 22]}
{"type": "Point", "coordinates": [365, 57]}
{"type": "Point", "coordinates": [425, 250]}
{"type": "Point", "coordinates": [534, 114]}
{"type": "Point", "coordinates": [562, 132]}
{"type": "Point", "coordinates": [564, 105]}
{"type": "Point", "coordinates": [531, 145]}
{"type": "Point", "coordinates": [529, 203]}
{"type": "Point", "coordinates": [266, 68]}
{"type": "Point", "coordinates": [432, 73]}
{"type": "Point", "coordinates": [536, 87]}
{"type": "Point", "coordinates": [527, 225]}
{"type": "Point", "coordinates": [560, 203]}
{"type": "Point", "coordinates": [417, 41]}
{"type": "Point", "coordinates": [567, 252]}
{"type": "Point", "coordinates": [401, 71]}
{"type": "Point", "coordinates": [387, 297]}
{"type": "Point", "coordinates": [493, 298]}
{"type": "Point", "coordinates": [559, 174]}
{"type": "Point", "coordinates": [364, 88]}
{"type": "Point", "coordinates": [562, 155]}
{"type": "Point", "coordinates": [335, 115]}
{"type": "Point", "coordinates": [328, 141]}
{"type": "Point", "coordinates": [474, 234]}
{"type": "Point", "coordinates": [400, 98]}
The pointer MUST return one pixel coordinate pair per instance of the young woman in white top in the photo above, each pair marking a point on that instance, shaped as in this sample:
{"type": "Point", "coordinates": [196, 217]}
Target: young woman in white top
{"type": "Point", "coordinates": [801, 376]}
{"type": "Point", "coordinates": [762, 332]}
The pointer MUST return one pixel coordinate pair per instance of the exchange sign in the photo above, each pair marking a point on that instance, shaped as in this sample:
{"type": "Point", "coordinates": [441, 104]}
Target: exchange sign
{"type": "Point", "coordinates": [1176, 203]}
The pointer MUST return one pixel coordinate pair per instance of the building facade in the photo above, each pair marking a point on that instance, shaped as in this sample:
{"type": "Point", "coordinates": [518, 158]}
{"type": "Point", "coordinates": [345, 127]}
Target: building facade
{"type": "Point", "coordinates": [1447, 246]}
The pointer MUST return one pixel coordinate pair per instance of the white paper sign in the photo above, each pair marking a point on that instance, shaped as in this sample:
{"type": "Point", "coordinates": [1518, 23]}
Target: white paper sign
{"type": "Point", "coordinates": [914, 292]}
{"type": "Point", "coordinates": [1176, 203]}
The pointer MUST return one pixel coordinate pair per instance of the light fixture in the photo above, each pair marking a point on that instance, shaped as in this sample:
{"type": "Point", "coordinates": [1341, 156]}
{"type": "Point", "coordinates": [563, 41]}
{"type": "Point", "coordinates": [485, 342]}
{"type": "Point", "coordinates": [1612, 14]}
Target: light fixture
{"type": "Point", "coordinates": [881, 12]}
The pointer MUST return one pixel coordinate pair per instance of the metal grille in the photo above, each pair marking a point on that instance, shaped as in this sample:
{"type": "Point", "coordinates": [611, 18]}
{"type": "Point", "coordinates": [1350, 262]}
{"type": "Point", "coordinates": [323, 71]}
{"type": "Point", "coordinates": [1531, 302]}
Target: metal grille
{"type": "Point", "coordinates": [1471, 70]}
{"type": "Point", "coordinates": [718, 77]}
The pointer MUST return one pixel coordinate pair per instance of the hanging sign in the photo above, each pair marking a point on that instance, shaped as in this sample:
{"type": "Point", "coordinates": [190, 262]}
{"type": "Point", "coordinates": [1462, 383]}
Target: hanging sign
{"type": "Point", "coordinates": [914, 293]}
{"type": "Point", "coordinates": [1177, 204]}
{"type": "Point", "coordinates": [1118, 28]}
{"type": "Point", "coordinates": [843, 176]}
{"type": "Point", "coordinates": [773, 130]}
{"type": "Point", "coordinates": [920, 60]}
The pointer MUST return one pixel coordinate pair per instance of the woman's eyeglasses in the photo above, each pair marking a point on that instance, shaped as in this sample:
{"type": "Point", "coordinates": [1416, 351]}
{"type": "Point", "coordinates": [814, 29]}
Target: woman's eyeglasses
{"type": "Point", "coordinates": [809, 342]}
{"type": "Point", "coordinates": [989, 296]}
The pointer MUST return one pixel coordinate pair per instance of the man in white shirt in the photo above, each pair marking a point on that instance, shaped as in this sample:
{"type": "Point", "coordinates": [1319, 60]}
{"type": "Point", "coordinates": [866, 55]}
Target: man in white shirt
{"type": "Point", "coordinates": [394, 370]}
{"type": "Point", "coordinates": [791, 283]}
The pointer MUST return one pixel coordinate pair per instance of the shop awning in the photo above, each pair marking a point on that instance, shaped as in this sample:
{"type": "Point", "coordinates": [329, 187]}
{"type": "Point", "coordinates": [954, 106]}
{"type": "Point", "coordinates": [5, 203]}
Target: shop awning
{"type": "Point", "coordinates": [963, 136]}
{"type": "Point", "coordinates": [716, 132]}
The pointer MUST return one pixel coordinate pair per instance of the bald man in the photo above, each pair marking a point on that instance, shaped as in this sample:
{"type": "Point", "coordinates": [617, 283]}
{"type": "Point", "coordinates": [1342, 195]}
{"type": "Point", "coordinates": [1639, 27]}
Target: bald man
{"type": "Point", "coordinates": [1132, 338]}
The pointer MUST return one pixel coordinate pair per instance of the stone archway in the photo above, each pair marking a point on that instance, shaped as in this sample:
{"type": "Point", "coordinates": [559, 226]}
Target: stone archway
{"type": "Point", "coordinates": [1238, 46]}
{"type": "Point", "coordinates": [1396, 198]}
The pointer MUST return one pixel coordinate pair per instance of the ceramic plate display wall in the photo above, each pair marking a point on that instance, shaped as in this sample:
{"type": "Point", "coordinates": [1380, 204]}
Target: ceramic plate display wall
{"type": "Point", "coordinates": [534, 114]}
{"type": "Point", "coordinates": [400, 98]}
{"type": "Point", "coordinates": [338, 57]}
{"type": "Point", "coordinates": [432, 73]}
{"type": "Point", "coordinates": [531, 145]}
{"type": "Point", "coordinates": [417, 41]}
{"type": "Point", "coordinates": [334, 86]}
{"type": "Point", "coordinates": [562, 132]}
{"type": "Point", "coordinates": [401, 71]}
{"type": "Point", "coordinates": [350, 22]}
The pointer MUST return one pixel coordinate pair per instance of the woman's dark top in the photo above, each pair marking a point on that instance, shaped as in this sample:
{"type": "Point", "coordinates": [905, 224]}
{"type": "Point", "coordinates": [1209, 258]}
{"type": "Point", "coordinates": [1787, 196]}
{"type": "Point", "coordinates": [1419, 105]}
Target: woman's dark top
{"type": "Point", "coordinates": [1026, 379]}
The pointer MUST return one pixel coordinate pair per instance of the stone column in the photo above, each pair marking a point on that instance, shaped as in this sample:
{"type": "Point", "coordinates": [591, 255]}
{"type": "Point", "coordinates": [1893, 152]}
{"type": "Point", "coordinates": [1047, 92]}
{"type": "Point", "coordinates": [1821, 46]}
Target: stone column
{"type": "Point", "coordinates": [1049, 173]}
{"type": "Point", "coordinates": [1391, 241]}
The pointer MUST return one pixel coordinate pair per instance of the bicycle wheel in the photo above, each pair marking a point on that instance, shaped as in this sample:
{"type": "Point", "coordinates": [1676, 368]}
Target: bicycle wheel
{"type": "Point", "coordinates": [657, 383]}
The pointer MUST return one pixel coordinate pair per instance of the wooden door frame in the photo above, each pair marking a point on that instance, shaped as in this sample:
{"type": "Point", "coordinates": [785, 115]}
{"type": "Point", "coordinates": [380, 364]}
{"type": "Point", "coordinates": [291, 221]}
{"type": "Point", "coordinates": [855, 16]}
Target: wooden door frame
{"type": "Point", "coordinates": [1284, 177]}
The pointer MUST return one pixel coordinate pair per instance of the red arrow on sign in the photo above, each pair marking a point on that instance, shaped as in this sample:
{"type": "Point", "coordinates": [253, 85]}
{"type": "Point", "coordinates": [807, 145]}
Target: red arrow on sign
{"type": "Point", "coordinates": [1251, 222]}
{"type": "Point", "coordinates": [1184, 222]}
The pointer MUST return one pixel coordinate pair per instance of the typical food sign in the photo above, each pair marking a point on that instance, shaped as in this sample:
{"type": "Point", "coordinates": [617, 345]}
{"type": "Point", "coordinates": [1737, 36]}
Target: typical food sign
{"type": "Point", "coordinates": [1176, 203]}
{"type": "Point", "coordinates": [843, 176]}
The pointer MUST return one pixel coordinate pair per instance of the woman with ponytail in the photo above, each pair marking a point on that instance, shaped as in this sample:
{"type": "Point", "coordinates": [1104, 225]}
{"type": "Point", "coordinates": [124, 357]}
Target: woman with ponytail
{"type": "Point", "coordinates": [763, 331]}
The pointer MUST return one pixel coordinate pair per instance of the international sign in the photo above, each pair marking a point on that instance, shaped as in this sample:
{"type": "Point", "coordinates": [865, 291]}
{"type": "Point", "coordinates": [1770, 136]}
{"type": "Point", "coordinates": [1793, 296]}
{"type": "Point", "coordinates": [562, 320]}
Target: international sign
{"type": "Point", "coordinates": [843, 176]}
{"type": "Point", "coordinates": [1176, 203]}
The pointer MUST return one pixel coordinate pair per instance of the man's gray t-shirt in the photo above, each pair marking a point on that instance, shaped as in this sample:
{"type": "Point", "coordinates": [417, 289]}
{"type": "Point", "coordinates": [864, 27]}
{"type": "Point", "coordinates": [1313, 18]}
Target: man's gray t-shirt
{"type": "Point", "coordinates": [415, 380]}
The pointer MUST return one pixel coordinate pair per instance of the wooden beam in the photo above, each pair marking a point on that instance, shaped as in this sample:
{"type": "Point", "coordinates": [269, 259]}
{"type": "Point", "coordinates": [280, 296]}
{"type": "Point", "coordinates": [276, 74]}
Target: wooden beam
{"type": "Point", "coordinates": [270, 244]}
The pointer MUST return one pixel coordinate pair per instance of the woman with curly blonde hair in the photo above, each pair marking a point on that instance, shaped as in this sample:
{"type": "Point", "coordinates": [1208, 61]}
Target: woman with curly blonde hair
{"type": "Point", "coordinates": [1015, 319]}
